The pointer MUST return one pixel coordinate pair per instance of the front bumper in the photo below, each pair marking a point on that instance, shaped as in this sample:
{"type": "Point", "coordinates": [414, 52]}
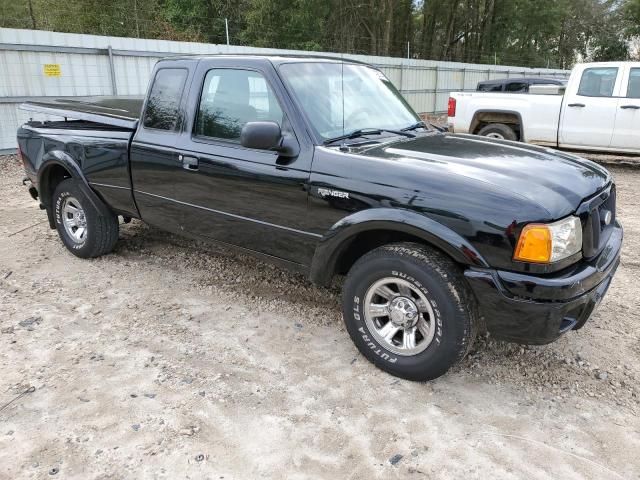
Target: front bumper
{"type": "Point", "coordinates": [539, 309]}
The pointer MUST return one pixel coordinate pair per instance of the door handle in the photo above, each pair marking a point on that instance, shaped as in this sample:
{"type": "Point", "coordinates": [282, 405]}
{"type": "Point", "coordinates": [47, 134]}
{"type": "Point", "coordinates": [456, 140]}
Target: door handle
{"type": "Point", "coordinates": [633, 107]}
{"type": "Point", "coordinates": [576, 105]}
{"type": "Point", "coordinates": [188, 163]}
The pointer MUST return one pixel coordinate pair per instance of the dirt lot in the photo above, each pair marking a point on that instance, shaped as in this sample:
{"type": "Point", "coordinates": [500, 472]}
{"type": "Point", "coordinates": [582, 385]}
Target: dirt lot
{"type": "Point", "coordinates": [169, 360]}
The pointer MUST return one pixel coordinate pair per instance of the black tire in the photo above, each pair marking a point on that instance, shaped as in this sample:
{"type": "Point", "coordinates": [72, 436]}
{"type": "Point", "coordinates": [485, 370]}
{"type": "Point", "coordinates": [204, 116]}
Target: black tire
{"type": "Point", "coordinates": [102, 228]}
{"type": "Point", "coordinates": [430, 273]}
{"type": "Point", "coordinates": [499, 131]}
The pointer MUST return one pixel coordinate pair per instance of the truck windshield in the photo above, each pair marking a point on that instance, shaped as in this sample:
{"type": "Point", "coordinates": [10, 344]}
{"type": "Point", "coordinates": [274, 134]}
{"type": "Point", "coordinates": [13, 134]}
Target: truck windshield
{"type": "Point", "coordinates": [339, 99]}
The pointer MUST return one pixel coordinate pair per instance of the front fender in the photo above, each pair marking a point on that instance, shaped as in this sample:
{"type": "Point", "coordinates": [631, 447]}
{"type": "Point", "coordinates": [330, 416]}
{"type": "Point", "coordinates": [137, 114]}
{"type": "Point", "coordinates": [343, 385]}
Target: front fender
{"type": "Point", "coordinates": [340, 236]}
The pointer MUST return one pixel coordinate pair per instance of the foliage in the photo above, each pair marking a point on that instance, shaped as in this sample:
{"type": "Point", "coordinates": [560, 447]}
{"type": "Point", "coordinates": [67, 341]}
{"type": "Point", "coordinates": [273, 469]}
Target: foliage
{"type": "Point", "coordinates": [295, 24]}
{"type": "Point", "coordinates": [631, 10]}
{"type": "Point", "coordinates": [552, 33]}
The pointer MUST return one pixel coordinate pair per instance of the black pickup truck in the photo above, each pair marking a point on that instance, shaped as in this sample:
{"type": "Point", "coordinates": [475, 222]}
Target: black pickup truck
{"type": "Point", "coordinates": [320, 165]}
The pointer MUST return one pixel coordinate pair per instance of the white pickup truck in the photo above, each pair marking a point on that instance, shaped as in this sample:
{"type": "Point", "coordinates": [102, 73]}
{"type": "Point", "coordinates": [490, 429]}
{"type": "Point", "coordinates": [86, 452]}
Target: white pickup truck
{"type": "Point", "coordinates": [599, 109]}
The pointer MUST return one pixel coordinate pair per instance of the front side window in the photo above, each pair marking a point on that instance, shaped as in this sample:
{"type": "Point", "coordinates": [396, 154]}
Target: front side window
{"type": "Point", "coordinates": [232, 98]}
{"type": "Point", "coordinates": [341, 98]}
{"type": "Point", "coordinates": [163, 105]}
{"type": "Point", "coordinates": [633, 89]}
{"type": "Point", "coordinates": [598, 82]}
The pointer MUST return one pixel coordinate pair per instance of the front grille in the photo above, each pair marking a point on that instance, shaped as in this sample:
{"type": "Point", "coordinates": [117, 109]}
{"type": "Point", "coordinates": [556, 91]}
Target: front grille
{"type": "Point", "coordinates": [596, 230]}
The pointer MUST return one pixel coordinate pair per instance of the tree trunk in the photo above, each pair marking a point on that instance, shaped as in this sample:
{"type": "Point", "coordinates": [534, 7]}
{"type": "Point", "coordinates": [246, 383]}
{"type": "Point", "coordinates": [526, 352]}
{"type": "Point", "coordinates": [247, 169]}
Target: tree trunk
{"type": "Point", "coordinates": [388, 9]}
{"type": "Point", "coordinates": [477, 28]}
{"type": "Point", "coordinates": [31, 14]}
{"type": "Point", "coordinates": [449, 31]}
{"type": "Point", "coordinates": [429, 21]}
{"type": "Point", "coordinates": [487, 25]}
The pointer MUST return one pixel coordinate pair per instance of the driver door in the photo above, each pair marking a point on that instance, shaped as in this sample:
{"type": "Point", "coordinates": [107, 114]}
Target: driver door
{"type": "Point", "coordinates": [250, 198]}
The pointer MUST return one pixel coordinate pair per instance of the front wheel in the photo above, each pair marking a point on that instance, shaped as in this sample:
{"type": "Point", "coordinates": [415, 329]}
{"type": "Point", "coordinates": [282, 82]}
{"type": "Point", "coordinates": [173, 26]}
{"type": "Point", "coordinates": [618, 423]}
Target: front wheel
{"type": "Point", "coordinates": [408, 310]}
{"type": "Point", "coordinates": [85, 231]}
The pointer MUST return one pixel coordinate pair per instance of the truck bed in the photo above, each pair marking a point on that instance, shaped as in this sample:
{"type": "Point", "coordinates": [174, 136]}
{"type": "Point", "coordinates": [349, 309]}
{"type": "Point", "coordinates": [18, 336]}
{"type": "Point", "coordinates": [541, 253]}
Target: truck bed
{"type": "Point", "coordinates": [121, 111]}
{"type": "Point", "coordinates": [538, 115]}
{"type": "Point", "coordinates": [99, 150]}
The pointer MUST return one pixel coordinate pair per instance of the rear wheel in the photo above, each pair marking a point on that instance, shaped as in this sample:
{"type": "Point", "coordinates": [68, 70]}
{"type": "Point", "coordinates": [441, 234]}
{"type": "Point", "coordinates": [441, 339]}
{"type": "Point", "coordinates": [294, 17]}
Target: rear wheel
{"type": "Point", "coordinates": [408, 310]}
{"type": "Point", "coordinates": [499, 131]}
{"type": "Point", "coordinates": [85, 231]}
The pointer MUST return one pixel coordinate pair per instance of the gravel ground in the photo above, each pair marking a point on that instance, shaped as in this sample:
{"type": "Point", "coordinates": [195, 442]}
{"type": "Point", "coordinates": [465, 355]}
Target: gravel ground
{"type": "Point", "coordinates": [170, 359]}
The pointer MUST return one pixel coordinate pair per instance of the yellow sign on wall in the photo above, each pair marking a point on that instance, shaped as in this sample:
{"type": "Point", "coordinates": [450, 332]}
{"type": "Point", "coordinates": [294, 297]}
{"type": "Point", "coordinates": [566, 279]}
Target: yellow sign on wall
{"type": "Point", "coordinates": [52, 70]}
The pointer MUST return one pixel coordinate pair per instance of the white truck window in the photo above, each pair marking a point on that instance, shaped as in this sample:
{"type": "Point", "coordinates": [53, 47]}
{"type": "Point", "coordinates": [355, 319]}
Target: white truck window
{"type": "Point", "coordinates": [598, 82]}
{"type": "Point", "coordinates": [633, 88]}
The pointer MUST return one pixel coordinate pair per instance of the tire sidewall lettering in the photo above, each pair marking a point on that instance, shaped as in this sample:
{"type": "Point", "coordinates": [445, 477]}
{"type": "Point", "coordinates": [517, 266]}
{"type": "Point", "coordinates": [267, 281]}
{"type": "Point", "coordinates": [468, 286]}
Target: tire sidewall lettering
{"type": "Point", "coordinates": [58, 210]}
{"type": "Point", "coordinates": [58, 218]}
{"type": "Point", "coordinates": [375, 348]}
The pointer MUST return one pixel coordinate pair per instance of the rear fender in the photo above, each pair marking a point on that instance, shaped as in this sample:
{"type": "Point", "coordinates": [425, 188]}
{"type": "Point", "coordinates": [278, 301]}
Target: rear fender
{"type": "Point", "coordinates": [496, 116]}
{"type": "Point", "coordinates": [59, 158]}
{"type": "Point", "coordinates": [340, 236]}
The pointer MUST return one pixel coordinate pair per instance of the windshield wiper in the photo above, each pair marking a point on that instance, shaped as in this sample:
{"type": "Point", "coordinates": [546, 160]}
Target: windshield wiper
{"type": "Point", "coordinates": [361, 132]}
{"type": "Point", "coordinates": [415, 126]}
{"type": "Point", "coordinates": [424, 125]}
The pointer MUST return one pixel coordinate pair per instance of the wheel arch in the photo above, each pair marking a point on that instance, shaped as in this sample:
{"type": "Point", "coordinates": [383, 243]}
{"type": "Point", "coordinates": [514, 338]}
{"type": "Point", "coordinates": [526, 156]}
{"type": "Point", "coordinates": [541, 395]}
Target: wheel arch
{"type": "Point", "coordinates": [361, 232]}
{"type": "Point", "coordinates": [486, 116]}
{"type": "Point", "coordinates": [58, 166]}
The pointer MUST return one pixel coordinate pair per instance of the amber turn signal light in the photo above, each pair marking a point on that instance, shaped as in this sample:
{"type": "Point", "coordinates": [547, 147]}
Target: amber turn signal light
{"type": "Point", "coordinates": [534, 244]}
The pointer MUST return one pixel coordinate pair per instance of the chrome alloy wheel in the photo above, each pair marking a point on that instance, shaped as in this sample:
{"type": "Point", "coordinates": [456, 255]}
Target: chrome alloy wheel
{"type": "Point", "coordinates": [399, 316]}
{"type": "Point", "coordinates": [74, 219]}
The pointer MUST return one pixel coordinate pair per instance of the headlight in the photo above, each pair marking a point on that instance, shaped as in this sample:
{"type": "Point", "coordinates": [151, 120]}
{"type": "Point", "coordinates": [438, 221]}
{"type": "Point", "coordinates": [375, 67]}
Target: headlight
{"type": "Point", "coordinates": [548, 243]}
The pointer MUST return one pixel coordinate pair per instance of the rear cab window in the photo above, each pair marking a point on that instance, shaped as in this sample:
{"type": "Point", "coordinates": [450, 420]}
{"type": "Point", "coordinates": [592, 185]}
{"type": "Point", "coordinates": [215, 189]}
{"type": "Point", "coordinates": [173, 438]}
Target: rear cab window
{"type": "Point", "coordinates": [162, 111]}
{"type": "Point", "coordinates": [598, 82]}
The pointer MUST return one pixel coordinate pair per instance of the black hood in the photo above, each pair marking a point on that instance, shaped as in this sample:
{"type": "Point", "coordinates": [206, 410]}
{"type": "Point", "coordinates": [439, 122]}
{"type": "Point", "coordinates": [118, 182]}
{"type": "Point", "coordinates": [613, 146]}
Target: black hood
{"type": "Point", "coordinates": [556, 181]}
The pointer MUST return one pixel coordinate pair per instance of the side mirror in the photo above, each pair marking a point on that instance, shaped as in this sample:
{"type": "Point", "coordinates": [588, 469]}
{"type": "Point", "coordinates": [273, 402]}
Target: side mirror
{"type": "Point", "coordinates": [268, 136]}
{"type": "Point", "coordinates": [261, 135]}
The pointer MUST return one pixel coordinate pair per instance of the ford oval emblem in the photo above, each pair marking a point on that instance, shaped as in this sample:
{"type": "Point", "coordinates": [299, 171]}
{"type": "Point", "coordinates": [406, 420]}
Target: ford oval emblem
{"type": "Point", "coordinates": [606, 217]}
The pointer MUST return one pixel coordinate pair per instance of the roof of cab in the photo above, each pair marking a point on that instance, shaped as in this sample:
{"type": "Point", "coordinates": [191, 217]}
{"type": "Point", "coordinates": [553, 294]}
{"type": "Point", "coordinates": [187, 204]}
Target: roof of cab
{"type": "Point", "coordinates": [275, 59]}
{"type": "Point", "coordinates": [530, 80]}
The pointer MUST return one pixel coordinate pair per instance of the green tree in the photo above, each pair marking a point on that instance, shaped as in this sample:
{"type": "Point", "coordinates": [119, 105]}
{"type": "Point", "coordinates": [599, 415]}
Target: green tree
{"type": "Point", "coordinates": [296, 24]}
{"type": "Point", "coordinates": [204, 20]}
{"type": "Point", "coordinates": [551, 33]}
